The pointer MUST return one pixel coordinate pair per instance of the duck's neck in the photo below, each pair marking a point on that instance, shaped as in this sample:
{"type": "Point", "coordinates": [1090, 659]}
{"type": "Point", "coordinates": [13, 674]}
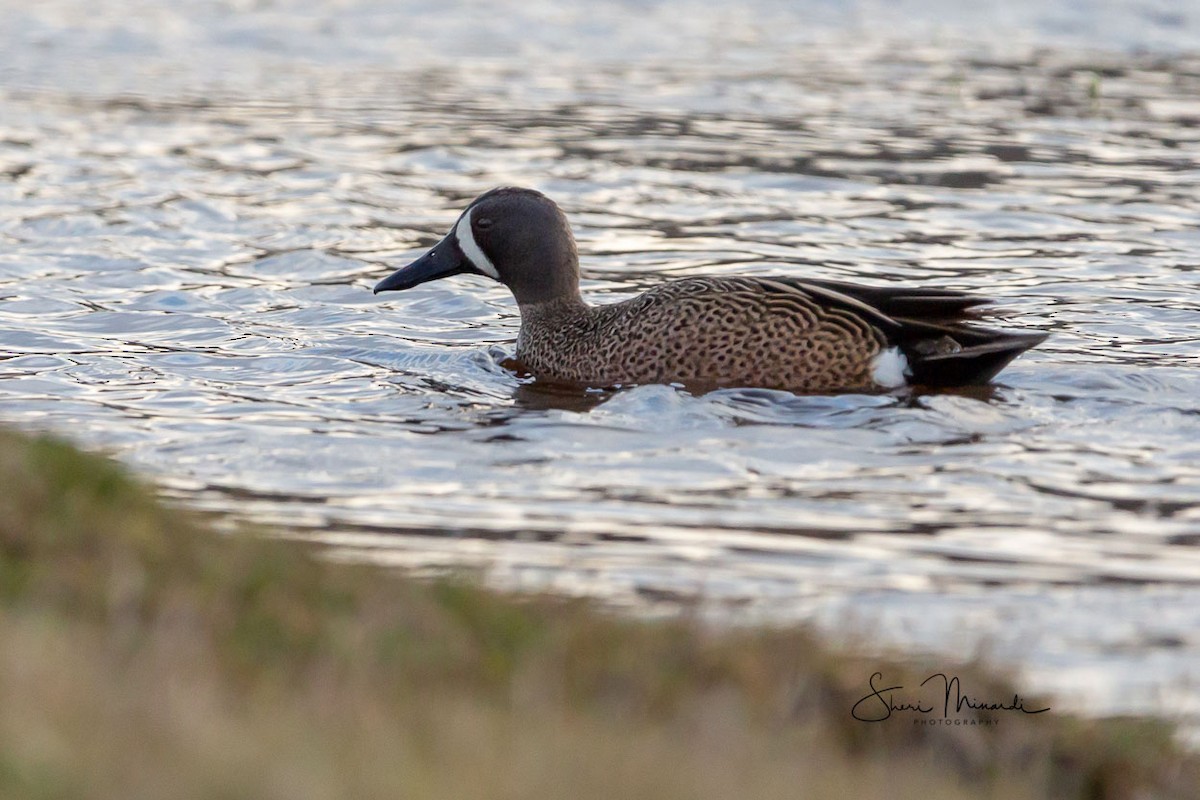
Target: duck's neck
{"type": "Point", "coordinates": [564, 307]}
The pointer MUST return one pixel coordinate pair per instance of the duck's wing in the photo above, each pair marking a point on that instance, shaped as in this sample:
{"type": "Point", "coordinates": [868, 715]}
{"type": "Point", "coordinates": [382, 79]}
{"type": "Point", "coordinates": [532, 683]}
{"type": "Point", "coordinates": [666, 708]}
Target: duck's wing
{"type": "Point", "coordinates": [932, 327]}
{"type": "Point", "coordinates": [906, 301]}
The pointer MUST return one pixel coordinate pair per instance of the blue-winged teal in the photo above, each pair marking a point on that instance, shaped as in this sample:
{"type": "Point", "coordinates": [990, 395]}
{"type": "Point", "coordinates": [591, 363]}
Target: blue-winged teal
{"type": "Point", "coordinates": [777, 332]}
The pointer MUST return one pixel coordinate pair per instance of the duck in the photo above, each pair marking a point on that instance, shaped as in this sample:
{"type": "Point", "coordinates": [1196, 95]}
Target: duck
{"type": "Point", "coordinates": [774, 332]}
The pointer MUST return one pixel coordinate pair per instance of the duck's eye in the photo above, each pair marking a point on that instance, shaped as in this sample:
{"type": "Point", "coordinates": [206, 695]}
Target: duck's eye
{"type": "Point", "coordinates": [483, 223]}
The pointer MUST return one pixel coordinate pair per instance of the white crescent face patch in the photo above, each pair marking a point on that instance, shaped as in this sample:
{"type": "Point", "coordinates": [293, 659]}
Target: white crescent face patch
{"type": "Point", "coordinates": [471, 249]}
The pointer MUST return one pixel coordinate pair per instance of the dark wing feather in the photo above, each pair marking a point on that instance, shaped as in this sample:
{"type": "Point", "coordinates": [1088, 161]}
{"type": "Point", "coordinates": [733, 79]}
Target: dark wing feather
{"type": "Point", "coordinates": [907, 301]}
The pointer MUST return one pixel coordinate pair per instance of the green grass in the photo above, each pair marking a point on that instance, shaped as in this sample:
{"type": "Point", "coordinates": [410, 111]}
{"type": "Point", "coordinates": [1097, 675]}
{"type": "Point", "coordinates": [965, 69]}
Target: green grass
{"type": "Point", "coordinates": [144, 655]}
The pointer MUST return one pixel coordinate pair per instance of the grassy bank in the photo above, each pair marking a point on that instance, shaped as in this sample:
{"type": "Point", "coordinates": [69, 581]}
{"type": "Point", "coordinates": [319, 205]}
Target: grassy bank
{"type": "Point", "coordinates": [143, 655]}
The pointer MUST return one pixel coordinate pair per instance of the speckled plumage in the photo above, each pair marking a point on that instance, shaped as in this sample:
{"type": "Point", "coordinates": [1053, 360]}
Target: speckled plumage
{"type": "Point", "coordinates": [777, 332]}
{"type": "Point", "coordinates": [746, 331]}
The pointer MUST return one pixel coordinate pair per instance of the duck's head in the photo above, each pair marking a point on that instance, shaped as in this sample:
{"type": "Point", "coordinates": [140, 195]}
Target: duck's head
{"type": "Point", "coordinates": [516, 236]}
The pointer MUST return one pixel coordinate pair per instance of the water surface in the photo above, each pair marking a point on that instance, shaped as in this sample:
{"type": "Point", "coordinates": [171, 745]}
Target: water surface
{"type": "Point", "coordinates": [194, 204]}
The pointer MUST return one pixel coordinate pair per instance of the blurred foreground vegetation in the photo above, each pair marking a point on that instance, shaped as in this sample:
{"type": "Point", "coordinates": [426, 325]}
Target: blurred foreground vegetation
{"type": "Point", "coordinates": [144, 655]}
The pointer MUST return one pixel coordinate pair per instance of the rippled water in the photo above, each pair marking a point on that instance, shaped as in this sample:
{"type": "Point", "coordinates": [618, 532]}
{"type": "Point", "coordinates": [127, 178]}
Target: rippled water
{"type": "Point", "coordinates": [195, 202]}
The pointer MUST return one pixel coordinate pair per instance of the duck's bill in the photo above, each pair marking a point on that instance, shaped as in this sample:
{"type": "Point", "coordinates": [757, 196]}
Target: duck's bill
{"type": "Point", "coordinates": [446, 258]}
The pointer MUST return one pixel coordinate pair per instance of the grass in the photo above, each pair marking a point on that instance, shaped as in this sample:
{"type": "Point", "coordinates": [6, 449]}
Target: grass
{"type": "Point", "coordinates": [143, 655]}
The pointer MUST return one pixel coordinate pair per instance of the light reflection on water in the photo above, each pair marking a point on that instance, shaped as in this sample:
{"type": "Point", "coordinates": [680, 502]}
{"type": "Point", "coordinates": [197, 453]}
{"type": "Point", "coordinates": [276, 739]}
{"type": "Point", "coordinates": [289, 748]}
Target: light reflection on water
{"type": "Point", "coordinates": [185, 273]}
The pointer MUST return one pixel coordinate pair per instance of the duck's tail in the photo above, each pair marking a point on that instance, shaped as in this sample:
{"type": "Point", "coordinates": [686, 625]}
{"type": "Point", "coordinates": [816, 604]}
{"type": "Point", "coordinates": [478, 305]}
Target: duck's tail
{"type": "Point", "coordinates": [965, 356]}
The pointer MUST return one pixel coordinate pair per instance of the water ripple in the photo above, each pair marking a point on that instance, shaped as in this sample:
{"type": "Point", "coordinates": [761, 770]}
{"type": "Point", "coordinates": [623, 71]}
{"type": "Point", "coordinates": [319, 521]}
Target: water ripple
{"type": "Point", "coordinates": [188, 247]}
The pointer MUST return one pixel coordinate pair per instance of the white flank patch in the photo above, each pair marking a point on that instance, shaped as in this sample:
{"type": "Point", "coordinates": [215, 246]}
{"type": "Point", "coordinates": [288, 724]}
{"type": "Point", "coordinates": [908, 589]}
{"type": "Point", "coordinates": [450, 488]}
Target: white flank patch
{"type": "Point", "coordinates": [473, 252]}
{"type": "Point", "coordinates": [890, 368]}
